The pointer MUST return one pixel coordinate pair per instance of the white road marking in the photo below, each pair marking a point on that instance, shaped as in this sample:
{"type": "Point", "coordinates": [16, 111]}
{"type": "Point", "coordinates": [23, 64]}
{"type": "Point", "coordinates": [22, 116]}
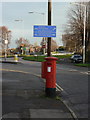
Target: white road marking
{"type": "Point", "coordinates": [67, 69]}
{"type": "Point", "coordinates": [85, 73]}
{"type": "Point", "coordinates": [74, 70]}
{"type": "Point", "coordinates": [58, 87]}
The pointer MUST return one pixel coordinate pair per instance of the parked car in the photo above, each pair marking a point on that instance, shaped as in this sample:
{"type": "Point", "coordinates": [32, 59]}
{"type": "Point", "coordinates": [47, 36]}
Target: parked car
{"type": "Point", "coordinates": [76, 58]}
{"type": "Point", "coordinates": [17, 53]}
{"type": "Point", "coordinates": [32, 53]}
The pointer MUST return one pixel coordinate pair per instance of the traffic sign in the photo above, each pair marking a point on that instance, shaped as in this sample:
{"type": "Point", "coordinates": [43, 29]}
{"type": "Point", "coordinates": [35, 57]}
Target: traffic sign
{"type": "Point", "coordinates": [43, 46]}
{"type": "Point", "coordinates": [44, 31]}
{"type": "Point", "coordinates": [24, 48]}
{"type": "Point", "coordinates": [22, 45]}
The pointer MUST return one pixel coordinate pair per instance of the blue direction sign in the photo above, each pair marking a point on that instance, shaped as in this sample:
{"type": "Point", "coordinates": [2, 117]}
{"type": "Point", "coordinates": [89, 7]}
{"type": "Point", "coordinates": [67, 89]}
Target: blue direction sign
{"type": "Point", "coordinates": [44, 31]}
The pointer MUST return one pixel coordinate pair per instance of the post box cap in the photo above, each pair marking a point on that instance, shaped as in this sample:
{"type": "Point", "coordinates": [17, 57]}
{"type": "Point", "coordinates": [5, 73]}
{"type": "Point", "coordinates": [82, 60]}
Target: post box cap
{"type": "Point", "coordinates": [51, 58]}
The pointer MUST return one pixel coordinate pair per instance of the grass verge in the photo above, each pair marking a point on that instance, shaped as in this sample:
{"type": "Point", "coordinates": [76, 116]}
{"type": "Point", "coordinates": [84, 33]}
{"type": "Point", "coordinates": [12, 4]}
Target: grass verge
{"type": "Point", "coordinates": [34, 58]}
{"type": "Point", "coordinates": [83, 65]}
{"type": "Point", "coordinates": [41, 58]}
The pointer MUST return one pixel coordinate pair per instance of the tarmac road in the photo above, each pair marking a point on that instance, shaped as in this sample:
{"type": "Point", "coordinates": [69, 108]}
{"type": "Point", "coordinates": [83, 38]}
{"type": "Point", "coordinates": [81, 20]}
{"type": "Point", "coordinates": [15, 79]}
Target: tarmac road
{"type": "Point", "coordinates": [75, 85]}
{"type": "Point", "coordinates": [23, 97]}
{"type": "Point", "coordinates": [73, 80]}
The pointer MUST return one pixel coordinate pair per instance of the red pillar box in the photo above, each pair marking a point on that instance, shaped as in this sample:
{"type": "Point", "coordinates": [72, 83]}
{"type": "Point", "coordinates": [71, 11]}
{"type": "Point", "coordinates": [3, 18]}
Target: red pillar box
{"type": "Point", "coordinates": [43, 68]}
{"type": "Point", "coordinates": [51, 76]}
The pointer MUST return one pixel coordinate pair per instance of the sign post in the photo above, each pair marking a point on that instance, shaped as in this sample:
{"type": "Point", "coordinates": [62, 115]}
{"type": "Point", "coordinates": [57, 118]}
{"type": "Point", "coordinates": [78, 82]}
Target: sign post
{"type": "Point", "coordinates": [49, 66]}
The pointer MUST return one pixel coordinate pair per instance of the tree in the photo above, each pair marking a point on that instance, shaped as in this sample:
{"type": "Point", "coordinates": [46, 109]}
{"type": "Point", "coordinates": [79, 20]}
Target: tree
{"type": "Point", "coordinates": [88, 26]}
{"type": "Point", "coordinates": [5, 34]}
{"type": "Point", "coordinates": [22, 42]}
{"type": "Point", "coordinates": [60, 48]}
{"type": "Point", "coordinates": [35, 44]}
{"type": "Point", "coordinates": [53, 45]}
{"type": "Point", "coordinates": [88, 34]}
{"type": "Point", "coordinates": [74, 32]}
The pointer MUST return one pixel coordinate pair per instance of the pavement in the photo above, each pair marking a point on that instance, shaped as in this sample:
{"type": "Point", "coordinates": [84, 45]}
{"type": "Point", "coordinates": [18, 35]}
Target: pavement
{"type": "Point", "coordinates": [24, 97]}
{"type": "Point", "coordinates": [9, 60]}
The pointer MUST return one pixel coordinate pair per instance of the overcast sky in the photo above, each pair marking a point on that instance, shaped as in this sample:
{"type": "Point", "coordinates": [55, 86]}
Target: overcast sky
{"type": "Point", "coordinates": [19, 10]}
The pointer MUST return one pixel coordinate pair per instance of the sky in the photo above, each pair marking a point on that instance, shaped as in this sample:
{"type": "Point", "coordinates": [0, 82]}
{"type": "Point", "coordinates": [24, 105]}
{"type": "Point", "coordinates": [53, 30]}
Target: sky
{"type": "Point", "coordinates": [11, 11]}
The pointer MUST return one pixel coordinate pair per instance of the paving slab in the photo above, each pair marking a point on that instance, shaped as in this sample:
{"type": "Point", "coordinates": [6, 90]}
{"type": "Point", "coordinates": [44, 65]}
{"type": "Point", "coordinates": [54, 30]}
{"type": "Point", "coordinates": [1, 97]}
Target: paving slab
{"type": "Point", "coordinates": [49, 113]}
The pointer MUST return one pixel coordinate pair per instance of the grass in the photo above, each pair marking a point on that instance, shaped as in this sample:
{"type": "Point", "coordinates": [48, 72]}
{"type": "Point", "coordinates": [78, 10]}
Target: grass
{"type": "Point", "coordinates": [34, 58]}
{"type": "Point", "coordinates": [41, 58]}
{"type": "Point", "coordinates": [9, 56]}
{"type": "Point", "coordinates": [62, 56]}
{"type": "Point", "coordinates": [43, 96]}
{"type": "Point", "coordinates": [83, 65]}
{"type": "Point", "coordinates": [58, 98]}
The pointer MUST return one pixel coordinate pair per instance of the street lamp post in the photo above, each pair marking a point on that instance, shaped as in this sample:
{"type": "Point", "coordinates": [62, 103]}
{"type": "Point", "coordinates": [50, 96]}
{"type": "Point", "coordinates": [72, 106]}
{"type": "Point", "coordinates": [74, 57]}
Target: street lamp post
{"type": "Point", "coordinates": [20, 20]}
{"type": "Point", "coordinates": [36, 12]}
{"type": "Point", "coordinates": [6, 43]}
{"type": "Point", "coordinates": [84, 32]}
{"type": "Point", "coordinates": [31, 12]}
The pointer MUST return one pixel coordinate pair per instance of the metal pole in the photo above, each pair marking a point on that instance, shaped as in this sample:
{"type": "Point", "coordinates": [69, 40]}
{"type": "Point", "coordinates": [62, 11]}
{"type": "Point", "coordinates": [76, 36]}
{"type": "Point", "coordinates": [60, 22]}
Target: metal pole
{"type": "Point", "coordinates": [6, 42]}
{"type": "Point", "coordinates": [44, 37]}
{"type": "Point", "coordinates": [44, 44]}
{"type": "Point", "coordinates": [42, 23]}
{"type": "Point", "coordinates": [49, 23]}
{"type": "Point", "coordinates": [5, 52]}
{"type": "Point", "coordinates": [84, 35]}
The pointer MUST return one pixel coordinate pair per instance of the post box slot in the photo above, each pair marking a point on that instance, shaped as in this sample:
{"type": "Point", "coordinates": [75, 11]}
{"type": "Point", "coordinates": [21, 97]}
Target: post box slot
{"type": "Point", "coordinates": [49, 63]}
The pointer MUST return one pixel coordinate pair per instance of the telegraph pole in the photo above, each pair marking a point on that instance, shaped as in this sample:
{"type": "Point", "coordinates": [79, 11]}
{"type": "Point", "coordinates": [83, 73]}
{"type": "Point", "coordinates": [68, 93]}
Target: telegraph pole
{"type": "Point", "coordinates": [49, 23]}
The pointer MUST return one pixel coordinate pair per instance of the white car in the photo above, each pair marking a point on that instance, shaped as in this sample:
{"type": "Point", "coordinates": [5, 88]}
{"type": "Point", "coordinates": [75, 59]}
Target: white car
{"type": "Point", "coordinates": [76, 58]}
